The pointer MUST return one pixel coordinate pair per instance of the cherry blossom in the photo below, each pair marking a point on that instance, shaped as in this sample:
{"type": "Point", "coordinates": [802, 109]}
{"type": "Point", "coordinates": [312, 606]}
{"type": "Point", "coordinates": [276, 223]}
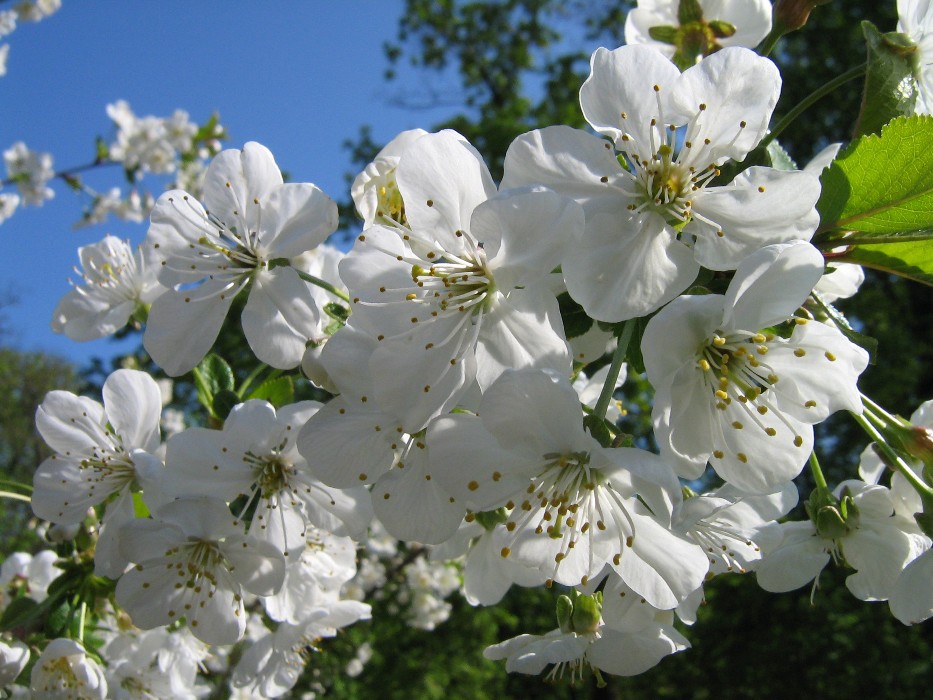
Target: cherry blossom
{"type": "Point", "coordinates": [246, 234]}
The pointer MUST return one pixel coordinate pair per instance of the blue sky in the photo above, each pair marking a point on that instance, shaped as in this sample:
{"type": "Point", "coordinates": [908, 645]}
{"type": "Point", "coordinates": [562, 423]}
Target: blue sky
{"type": "Point", "coordinates": [299, 77]}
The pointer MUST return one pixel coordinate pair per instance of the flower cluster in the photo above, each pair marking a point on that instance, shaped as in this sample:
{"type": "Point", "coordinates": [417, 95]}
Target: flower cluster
{"type": "Point", "coordinates": [462, 436]}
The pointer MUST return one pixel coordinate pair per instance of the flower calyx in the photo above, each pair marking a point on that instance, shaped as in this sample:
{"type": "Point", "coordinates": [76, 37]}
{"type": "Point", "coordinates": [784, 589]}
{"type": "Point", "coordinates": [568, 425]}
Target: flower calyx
{"type": "Point", "coordinates": [695, 37]}
{"type": "Point", "coordinates": [833, 517]}
{"type": "Point", "coordinates": [579, 613]}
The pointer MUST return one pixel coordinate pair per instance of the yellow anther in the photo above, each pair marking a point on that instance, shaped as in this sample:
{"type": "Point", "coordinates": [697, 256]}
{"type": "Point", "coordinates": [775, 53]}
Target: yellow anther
{"type": "Point", "coordinates": [759, 338]}
{"type": "Point", "coordinates": [762, 410]}
{"type": "Point", "coordinates": [718, 454]}
{"type": "Point", "coordinates": [737, 425]}
{"type": "Point", "coordinates": [771, 431]}
{"type": "Point", "coordinates": [704, 365]}
{"type": "Point", "coordinates": [722, 395]}
{"type": "Point", "coordinates": [800, 321]}
{"type": "Point", "coordinates": [798, 441]}
{"type": "Point", "coordinates": [830, 356]}
{"type": "Point", "coordinates": [799, 352]}
{"type": "Point", "coordinates": [810, 404]}
{"type": "Point", "coordinates": [719, 341]}
{"type": "Point", "coordinates": [742, 457]}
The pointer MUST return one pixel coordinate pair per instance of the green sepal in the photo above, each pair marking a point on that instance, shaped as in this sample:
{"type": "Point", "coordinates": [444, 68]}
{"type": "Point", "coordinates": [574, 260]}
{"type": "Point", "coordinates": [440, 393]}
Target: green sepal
{"type": "Point", "coordinates": [223, 403]}
{"type": "Point", "coordinates": [721, 29]}
{"type": "Point", "coordinates": [576, 322]}
{"type": "Point", "coordinates": [587, 613]}
{"type": "Point", "coordinates": [565, 614]}
{"type": "Point", "coordinates": [890, 87]}
{"type": "Point", "coordinates": [490, 518]}
{"type": "Point", "coordinates": [666, 34]}
{"type": "Point", "coordinates": [689, 11]}
{"type": "Point", "coordinates": [278, 392]}
{"type": "Point", "coordinates": [338, 312]}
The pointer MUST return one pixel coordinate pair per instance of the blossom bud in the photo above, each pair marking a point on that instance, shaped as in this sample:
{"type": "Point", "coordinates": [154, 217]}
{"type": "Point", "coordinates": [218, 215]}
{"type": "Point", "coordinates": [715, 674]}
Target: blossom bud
{"type": "Point", "coordinates": [587, 613]}
{"type": "Point", "coordinates": [790, 15]}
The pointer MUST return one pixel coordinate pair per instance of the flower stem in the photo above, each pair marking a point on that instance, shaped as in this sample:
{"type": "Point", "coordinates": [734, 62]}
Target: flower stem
{"type": "Point", "coordinates": [892, 458]}
{"type": "Point", "coordinates": [618, 357]}
{"type": "Point", "coordinates": [817, 472]}
{"type": "Point", "coordinates": [15, 484]}
{"type": "Point", "coordinates": [15, 496]}
{"type": "Point", "coordinates": [326, 286]}
{"type": "Point", "coordinates": [814, 96]}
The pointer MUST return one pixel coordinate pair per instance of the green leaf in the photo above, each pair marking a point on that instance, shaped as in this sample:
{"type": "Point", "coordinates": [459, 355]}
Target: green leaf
{"type": "Point", "coordinates": [911, 258]}
{"type": "Point", "coordinates": [890, 89]}
{"type": "Point", "coordinates": [20, 612]}
{"type": "Point", "coordinates": [223, 403]}
{"type": "Point", "coordinates": [880, 184]}
{"type": "Point", "coordinates": [576, 322]}
{"type": "Point", "coordinates": [278, 392]}
{"type": "Point", "coordinates": [212, 376]}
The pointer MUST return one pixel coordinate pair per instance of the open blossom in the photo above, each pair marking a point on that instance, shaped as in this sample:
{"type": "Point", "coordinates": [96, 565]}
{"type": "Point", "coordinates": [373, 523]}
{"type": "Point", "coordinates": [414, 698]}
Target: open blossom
{"type": "Point", "coordinates": [460, 292]}
{"type": "Point", "coordinates": [117, 282]}
{"type": "Point", "coordinates": [877, 542]}
{"type": "Point", "coordinates": [573, 506]}
{"type": "Point", "coordinates": [247, 232]}
{"type": "Point", "coordinates": [651, 225]}
{"type": "Point", "coordinates": [741, 397]}
{"type": "Point", "coordinates": [722, 23]}
{"type": "Point", "coordinates": [255, 456]}
{"type": "Point", "coordinates": [103, 453]}
{"type": "Point", "coordinates": [193, 561]}
{"type": "Point", "coordinates": [915, 18]}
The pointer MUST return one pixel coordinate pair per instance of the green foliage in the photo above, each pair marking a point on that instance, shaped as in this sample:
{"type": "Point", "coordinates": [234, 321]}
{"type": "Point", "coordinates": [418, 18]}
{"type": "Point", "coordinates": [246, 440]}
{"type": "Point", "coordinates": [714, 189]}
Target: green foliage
{"type": "Point", "coordinates": [890, 89]}
{"type": "Point", "coordinates": [878, 199]}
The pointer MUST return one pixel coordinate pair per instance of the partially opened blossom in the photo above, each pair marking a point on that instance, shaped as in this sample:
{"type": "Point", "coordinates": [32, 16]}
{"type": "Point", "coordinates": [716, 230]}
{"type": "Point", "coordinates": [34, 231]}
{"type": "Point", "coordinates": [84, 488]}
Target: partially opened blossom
{"type": "Point", "coordinates": [461, 292]}
{"type": "Point", "coordinates": [246, 234]}
{"type": "Point", "coordinates": [103, 454]}
{"type": "Point", "coordinates": [117, 283]}
{"type": "Point", "coordinates": [375, 190]}
{"type": "Point", "coordinates": [193, 561]}
{"type": "Point", "coordinates": [652, 224]}
{"type": "Point", "coordinates": [730, 391]}
{"type": "Point", "coordinates": [720, 23]}
{"type": "Point", "coordinates": [915, 18]}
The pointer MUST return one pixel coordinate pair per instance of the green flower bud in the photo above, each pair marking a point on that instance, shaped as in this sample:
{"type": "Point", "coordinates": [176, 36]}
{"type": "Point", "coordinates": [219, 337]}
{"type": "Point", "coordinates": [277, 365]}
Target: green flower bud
{"type": "Point", "coordinates": [587, 613]}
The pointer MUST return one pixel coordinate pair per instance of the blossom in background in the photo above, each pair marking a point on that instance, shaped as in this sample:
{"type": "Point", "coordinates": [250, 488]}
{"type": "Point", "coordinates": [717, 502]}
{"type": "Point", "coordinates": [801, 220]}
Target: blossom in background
{"type": "Point", "coordinates": [915, 19]}
{"type": "Point", "coordinates": [64, 671]}
{"type": "Point", "coordinates": [103, 453]}
{"type": "Point", "coordinates": [118, 282]}
{"type": "Point", "coordinates": [651, 225]}
{"type": "Point", "coordinates": [705, 27]}
{"type": "Point", "coordinates": [31, 170]}
{"type": "Point", "coordinates": [13, 659]}
{"type": "Point", "coordinates": [149, 144]}
{"type": "Point", "coordinates": [245, 235]}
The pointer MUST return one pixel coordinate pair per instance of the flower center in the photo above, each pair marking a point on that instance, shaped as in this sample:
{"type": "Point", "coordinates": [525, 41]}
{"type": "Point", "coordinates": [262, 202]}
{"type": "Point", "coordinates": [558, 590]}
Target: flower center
{"type": "Point", "coordinates": [455, 284]}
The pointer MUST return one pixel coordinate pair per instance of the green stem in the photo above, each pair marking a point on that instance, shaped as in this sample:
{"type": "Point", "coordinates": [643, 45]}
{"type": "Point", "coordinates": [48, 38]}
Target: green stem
{"type": "Point", "coordinates": [879, 411]}
{"type": "Point", "coordinates": [618, 357]}
{"type": "Point", "coordinates": [244, 387]}
{"type": "Point", "coordinates": [15, 496]}
{"type": "Point", "coordinates": [15, 484]}
{"type": "Point", "coordinates": [326, 286]}
{"type": "Point", "coordinates": [769, 42]}
{"type": "Point", "coordinates": [830, 243]}
{"type": "Point", "coordinates": [81, 618]}
{"type": "Point", "coordinates": [893, 458]}
{"type": "Point", "coordinates": [817, 472]}
{"type": "Point", "coordinates": [814, 96]}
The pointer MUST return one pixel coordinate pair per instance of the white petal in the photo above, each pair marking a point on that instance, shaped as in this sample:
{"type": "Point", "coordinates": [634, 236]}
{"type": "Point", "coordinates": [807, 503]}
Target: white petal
{"type": "Point", "coordinates": [133, 403]}
{"type": "Point", "coordinates": [280, 317]}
